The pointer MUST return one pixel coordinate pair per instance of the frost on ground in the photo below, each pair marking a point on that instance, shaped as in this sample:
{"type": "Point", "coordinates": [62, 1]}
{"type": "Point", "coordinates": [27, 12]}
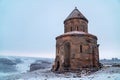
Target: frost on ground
{"type": "Point", "coordinates": [22, 67]}
{"type": "Point", "coordinates": [106, 73]}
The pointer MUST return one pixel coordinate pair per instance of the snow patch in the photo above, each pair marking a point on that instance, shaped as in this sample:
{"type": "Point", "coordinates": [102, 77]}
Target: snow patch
{"type": "Point", "coordinates": [110, 73]}
{"type": "Point", "coordinates": [75, 32]}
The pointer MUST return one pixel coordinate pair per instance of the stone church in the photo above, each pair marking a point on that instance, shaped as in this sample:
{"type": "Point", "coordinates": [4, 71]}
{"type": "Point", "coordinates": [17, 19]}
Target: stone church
{"type": "Point", "coordinates": [76, 49]}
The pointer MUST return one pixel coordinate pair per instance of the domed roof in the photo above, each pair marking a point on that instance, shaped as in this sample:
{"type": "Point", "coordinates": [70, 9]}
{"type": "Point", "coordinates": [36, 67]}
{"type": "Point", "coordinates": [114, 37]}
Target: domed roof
{"type": "Point", "coordinates": [76, 14]}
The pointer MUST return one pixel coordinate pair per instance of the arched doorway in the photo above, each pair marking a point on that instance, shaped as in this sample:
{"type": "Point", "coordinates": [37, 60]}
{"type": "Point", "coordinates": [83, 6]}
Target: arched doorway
{"type": "Point", "coordinates": [58, 65]}
{"type": "Point", "coordinates": [67, 55]}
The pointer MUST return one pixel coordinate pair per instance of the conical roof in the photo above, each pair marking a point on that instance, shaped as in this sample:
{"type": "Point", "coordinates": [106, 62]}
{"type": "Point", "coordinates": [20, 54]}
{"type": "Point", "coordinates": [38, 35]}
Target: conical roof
{"type": "Point", "coordinates": [76, 14]}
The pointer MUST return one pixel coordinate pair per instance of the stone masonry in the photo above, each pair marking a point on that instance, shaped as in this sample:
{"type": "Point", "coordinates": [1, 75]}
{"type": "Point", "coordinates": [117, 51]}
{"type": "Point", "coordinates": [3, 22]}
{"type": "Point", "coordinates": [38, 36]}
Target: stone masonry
{"type": "Point", "coordinates": [76, 48]}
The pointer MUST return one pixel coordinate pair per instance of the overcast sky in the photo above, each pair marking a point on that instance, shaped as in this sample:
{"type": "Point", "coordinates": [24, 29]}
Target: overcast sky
{"type": "Point", "coordinates": [29, 27]}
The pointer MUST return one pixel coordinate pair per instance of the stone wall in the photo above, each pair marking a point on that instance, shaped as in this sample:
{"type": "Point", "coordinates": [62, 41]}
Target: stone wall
{"type": "Point", "coordinates": [75, 25]}
{"type": "Point", "coordinates": [78, 57]}
{"type": "Point", "coordinates": [76, 48]}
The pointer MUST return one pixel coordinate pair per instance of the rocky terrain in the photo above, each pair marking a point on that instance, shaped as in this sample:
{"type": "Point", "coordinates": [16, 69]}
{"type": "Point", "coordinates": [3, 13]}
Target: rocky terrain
{"type": "Point", "coordinates": [40, 69]}
{"type": "Point", "coordinates": [40, 64]}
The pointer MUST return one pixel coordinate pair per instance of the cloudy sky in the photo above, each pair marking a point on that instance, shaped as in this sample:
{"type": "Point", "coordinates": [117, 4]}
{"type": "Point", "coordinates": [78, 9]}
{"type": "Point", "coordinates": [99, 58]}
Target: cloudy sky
{"type": "Point", "coordinates": [29, 27]}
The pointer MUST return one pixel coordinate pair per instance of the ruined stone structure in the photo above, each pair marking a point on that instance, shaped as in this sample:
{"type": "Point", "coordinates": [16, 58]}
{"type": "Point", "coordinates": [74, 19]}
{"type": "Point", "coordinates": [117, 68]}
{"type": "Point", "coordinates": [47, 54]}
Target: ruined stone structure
{"type": "Point", "coordinates": [76, 48]}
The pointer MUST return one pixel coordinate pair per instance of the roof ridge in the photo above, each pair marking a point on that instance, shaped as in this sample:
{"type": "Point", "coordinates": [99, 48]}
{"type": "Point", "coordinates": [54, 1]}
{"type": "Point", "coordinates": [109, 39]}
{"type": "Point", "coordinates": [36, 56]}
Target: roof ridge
{"type": "Point", "coordinates": [76, 14]}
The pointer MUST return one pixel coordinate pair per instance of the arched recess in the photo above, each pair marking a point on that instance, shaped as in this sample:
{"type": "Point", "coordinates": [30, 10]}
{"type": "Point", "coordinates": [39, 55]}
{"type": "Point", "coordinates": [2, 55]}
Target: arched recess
{"type": "Point", "coordinates": [58, 66]}
{"type": "Point", "coordinates": [57, 63]}
{"type": "Point", "coordinates": [67, 49]}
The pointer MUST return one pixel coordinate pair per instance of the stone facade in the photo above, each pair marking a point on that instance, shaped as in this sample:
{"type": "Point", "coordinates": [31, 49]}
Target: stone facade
{"type": "Point", "coordinates": [76, 48]}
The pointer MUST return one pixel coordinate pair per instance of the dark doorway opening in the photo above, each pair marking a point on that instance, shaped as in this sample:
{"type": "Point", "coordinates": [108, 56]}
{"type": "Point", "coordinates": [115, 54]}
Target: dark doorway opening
{"type": "Point", "coordinates": [58, 66]}
{"type": "Point", "coordinates": [67, 55]}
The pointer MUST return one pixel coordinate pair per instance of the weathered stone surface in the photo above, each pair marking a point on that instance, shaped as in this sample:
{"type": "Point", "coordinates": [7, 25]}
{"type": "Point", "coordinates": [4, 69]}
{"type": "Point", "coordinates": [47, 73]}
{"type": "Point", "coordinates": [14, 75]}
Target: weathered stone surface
{"type": "Point", "coordinates": [76, 48]}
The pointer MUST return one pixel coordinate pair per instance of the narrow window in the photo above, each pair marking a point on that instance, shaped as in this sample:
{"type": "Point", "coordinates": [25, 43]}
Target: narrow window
{"type": "Point", "coordinates": [58, 50]}
{"type": "Point", "coordinates": [93, 50]}
{"type": "Point", "coordinates": [80, 48]}
{"type": "Point", "coordinates": [77, 28]}
{"type": "Point", "coordinates": [70, 28]}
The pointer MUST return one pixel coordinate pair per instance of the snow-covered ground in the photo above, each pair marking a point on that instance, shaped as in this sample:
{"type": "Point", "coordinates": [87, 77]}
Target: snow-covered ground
{"type": "Point", "coordinates": [108, 73]}
{"type": "Point", "coordinates": [11, 66]}
{"type": "Point", "coordinates": [22, 72]}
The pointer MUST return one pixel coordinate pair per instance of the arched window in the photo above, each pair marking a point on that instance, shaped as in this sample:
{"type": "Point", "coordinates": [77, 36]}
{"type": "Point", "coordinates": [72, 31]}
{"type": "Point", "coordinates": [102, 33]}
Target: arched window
{"type": "Point", "coordinates": [80, 48]}
{"type": "Point", "coordinates": [77, 28]}
{"type": "Point", "coordinates": [93, 50]}
{"type": "Point", "coordinates": [58, 49]}
{"type": "Point", "coordinates": [70, 28]}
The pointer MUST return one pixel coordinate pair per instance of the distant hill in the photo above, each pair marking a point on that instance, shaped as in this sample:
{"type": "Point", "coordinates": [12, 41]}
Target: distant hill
{"type": "Point", "coordinates": [111, 61]}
